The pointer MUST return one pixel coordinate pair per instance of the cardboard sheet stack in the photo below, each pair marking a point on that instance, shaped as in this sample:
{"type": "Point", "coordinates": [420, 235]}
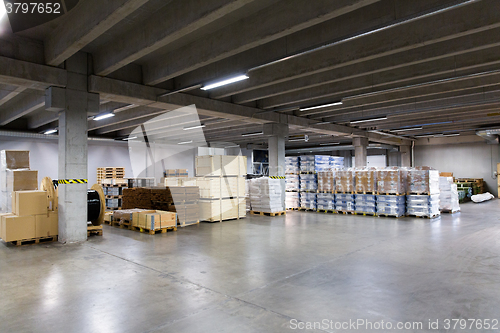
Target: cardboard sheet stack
{"type": "Point", "coordinates": [344, 181]}
{"type": "Point", "coordinates": [292, 165]}
{"type": "Point", "coordinates": [325, 201]}
{"type": "Point", "coordinates": [326, 181]}
{"type": "Point", "coordinates": [292, 200]}
{"type": "Point", "coordinates": [321, 163]}
{"type": "Point", "coordinates": [265, 195]}
{"type": "Point", "coordinates": [365, 203]}
{"type": "Point", "coordinates": [344, 202]}
{"type": "Point", "coordinates": [366, 180]}
{"type": "Point", "coordinates": [448, 195]}
{"type": "Point", "coordinates": [392, 205]}
{"type": "Point", "coordinates": [336, 162]}
{"type": "Point", "coordinates": [307, 163]}
{"type": "Point", "coordinates": [308, 200]}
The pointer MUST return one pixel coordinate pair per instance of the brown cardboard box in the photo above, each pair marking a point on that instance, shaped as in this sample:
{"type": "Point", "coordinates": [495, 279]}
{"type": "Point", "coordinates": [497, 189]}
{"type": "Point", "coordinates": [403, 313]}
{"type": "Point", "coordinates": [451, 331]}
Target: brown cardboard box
{"type": "Point", "coordinates": [26, 203]}
{"type": "Point", "coordinates": [15, 159]}
{"type": "Point", "coordinates": [46, 225]}
{"type": "Point", "coordinates": [1, 222]}
{"type": "Point", "coordinates": [16, 228]}
{"type": "Point", "coordinates": [22, 180]}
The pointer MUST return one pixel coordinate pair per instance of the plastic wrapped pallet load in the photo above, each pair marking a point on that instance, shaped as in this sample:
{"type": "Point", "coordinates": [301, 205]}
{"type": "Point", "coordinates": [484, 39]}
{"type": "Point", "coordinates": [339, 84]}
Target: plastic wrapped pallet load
{"type": "Point", "coordinates": [344, 202]}
{"type": "Point", "coordinates": [391, 180]}
{"type": "Point", "coordinates": [448, 195]}
{"type": "Point", "coordinates": [365, 203]}
{"type": "Point", "coordinates": [292, 200]}
{"type": "Point", "coordinates": [325, 201]}
{"type": "Point", "coordinates": [308, 182]}
{"type": "Point", "coordinates": [344, 181]}
{"type": "Point", "coordinates": [321, 163]}
{"type": "Point", "coordinates": [423, 180]}
{"type": "Point", "coordinates": [391, 205]}
{"type": "Point", "coordinates": [326, 181]}
{"type": "Point", "coordinates": [336, 162]}
{"type": "Point", "coordinates": [247, 195]}
{"type": "Point", "coordinates": [422, 205]}
{"type": "Point", "coordinates": [366, 180]}
{"type": "Point", "coordinates": [307, 163]}
{"type": "Point", "coordinates": [265, 195]}
{"type": "Point", "coordinates": [292, 183]}
{"type": "Point", "coordinates": [308, 200]}
{"type": "Point", "coordinates": [292, 165]}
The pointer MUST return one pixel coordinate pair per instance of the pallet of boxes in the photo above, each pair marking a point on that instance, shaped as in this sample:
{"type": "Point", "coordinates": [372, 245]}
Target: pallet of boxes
{"type": "Point", "coordinates": [28, 216]}
{"type": "Point", "coordinates": [221, 180]}
{"type": "Point", "coordinates": [344, 191]}
{"type": "Point", "coordinates": [422, 199]}
{"type": "Point", "coordinates": [292, 170]}
{"type": "Point", "coordinates": [185, 196]}
{"type": "Point", "coordinates": [391, 192]}
{"type": "Point", "coordinates": [365, 180]}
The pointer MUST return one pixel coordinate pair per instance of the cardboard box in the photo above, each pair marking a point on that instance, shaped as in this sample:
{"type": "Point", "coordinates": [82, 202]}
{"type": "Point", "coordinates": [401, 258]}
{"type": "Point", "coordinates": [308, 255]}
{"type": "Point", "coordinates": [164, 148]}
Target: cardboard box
{"type": "Point", "coordinates": [46, 225]}
{"type": "Point", "coordinates": [14, 159]}
{"type": "Point", "coordinates": [1, 222]}
{"type": "Point", "coordinates": [16, 228]}
{"type": "Point", "coordinates": [22, 180]}
{"type": "Point", "coordinates": [26, 203]}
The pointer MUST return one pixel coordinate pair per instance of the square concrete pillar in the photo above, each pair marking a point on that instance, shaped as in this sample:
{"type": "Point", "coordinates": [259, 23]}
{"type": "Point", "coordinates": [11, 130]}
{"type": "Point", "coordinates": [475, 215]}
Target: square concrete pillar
{"type": "Point", "coordinates": [360, 145]}
{"type": "Point", "coordinates": [276, 149]}
{"type": "Point", "coordinates": [405, 152]}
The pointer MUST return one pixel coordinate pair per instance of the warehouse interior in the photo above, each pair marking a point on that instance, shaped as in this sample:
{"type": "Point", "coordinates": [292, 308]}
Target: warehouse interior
{"type": "Point", "coordinates": [111, 108]}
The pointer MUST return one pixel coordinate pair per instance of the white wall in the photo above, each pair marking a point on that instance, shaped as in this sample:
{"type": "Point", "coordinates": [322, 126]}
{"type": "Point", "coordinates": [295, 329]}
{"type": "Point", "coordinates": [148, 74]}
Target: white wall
{"type": "Point", "coordinates": [44, 156]}
{"type": "Point", "coordinates": [472, 160]}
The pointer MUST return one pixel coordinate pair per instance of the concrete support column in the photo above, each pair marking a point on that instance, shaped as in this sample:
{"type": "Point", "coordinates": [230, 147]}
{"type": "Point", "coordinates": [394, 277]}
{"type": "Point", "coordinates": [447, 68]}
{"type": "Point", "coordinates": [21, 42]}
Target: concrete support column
{"type": "Point", "coordinates": [74, 105]}
{"type": "Point", "coordinates": [405, 152]}
{"type": "Point", "coordinates": [360, 145]}
{"type": "Point", "coordinates": [276, 149]}
{"type": "Point", "coordinates": [347, 158]}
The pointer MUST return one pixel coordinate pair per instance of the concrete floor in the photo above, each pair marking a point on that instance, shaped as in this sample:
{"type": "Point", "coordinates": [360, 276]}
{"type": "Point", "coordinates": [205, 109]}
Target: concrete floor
{"type": "Point", "coordinates": [256, 274]}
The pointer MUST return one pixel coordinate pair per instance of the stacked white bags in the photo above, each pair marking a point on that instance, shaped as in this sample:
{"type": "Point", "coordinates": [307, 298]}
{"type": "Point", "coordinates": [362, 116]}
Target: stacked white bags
{"type": "Point", "coordinates": [265, 195]}
{"type": "Point", "coordinates": [448, 195]}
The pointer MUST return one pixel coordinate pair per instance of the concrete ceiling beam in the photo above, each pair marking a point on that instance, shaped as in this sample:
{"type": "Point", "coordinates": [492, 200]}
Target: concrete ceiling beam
{"type": "Point", "coordinates": [276, 21]}
{"type": "Point", "coordinates": [21, 107]}
{"type": "Point", "coordinates": [30, 75]}
{"type": "Point", "coordinates": [42, 118]}
{"type": "Point", "coordinates": [171, 23]}
{"type": "Point", "coordinates": [87, 21]}
{"type": "Point", "coordinates": [9, 93]}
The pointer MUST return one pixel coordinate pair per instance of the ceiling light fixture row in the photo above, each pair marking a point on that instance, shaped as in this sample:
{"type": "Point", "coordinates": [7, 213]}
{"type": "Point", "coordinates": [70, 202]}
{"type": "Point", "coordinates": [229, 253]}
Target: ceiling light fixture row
{"type": "Point", "coordinates": [104, 116]}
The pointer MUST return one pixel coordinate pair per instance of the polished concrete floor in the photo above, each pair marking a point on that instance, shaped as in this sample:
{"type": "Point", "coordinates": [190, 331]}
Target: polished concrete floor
{"type": "Point", "coordinates": [261, 274]}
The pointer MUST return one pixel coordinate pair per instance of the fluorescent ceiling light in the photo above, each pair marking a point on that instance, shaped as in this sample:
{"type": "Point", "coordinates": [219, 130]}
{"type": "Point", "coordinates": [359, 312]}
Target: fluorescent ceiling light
{"type": "Point", "coordinates": [185, 142]}
{"type": "Point", "coordinates": [329, 144]}
{"type": "Point", "coordinates": [452, 134]}
{"type": "Point", "coordinates": [407, 129]}
{"type": "Point", "coordinates": [52, 131]}
{"type": "Point", "coordinates": [250, 134]}
{"type": "Point", "coordinates": [104, 116]}
{"type": "Point", "coordinates": [320, 106]}
{"type": "Point", "coordinates": [131, 138]}
{"type": "Point", "coordinates": [193, 127]}
{"type": "Point", "coordinates": [225, 82]}
{"type": "Point", "coordinates": [366, 120]}
{"type": "Point", "coordinates": [424, 136]}
{"type": "Point", "coordinates": [232, 147]}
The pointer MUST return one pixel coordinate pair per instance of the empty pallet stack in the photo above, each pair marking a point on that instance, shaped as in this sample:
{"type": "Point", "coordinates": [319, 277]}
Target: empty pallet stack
{"type": "Point", "coordinates": [110, 173]}
{"type": "Point", "coordinates": [422, 199]}
{"type": "Point", "coordinates": [344, 191]}
{"type": "Point", "coordinates": [221, 179]}
{"type": "Point", "coordinates": [391, 192]}
{"type": "Point", "coordinates": [448, 195]}
{"type": "Point", "coordinates": [266, 196]}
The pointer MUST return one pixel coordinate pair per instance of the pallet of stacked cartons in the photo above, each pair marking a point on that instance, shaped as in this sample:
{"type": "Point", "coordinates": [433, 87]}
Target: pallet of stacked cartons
{"type": "Point", "coordinates": [365, 180]}
{"type": "Point", "coordinates": [344, 191]}
{"type": "Point", "coordinates": [307, 164]}
{"type": "Point", "coordinates": [15, 175]}
{"type": "Point", "coordinates": [326, 181]}
{"type": "Point", "coordinates": [422, 198]}
{"type": "Point", "coordinates": [292, 165]}
{"type": "Point", "coordinates": [266, 194]}
{"type": "Point", "coordinates": [325, 202]}
{"type": "Point", "coordinates": [391, 192]}
{"type": "Point", "coordinates": [365, 204]}
{"type": "Point", "coordinates": [448, 195]}
{"type": "Point", "coordinates": [221, 165]}
{"type": "Point", "coordinates": [308, 183]}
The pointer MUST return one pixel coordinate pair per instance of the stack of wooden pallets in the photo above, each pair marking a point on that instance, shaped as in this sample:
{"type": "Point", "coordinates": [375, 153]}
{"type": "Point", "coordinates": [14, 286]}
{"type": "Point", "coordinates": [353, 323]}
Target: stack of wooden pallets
{"type": "Point", "coordinates": [110, 173]}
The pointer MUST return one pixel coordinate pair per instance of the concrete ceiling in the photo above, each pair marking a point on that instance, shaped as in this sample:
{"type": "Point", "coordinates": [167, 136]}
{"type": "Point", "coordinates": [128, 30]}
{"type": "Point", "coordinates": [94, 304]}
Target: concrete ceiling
{"type": "Point", "coordinates": [433, 64]}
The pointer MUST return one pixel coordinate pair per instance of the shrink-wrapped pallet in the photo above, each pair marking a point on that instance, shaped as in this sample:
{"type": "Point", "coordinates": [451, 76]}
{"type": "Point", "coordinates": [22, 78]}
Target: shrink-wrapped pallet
{"type": "Point", "coordinates": [292, 165]}
{"type": "Point", "coordinates": [448, 195]}
{"type": "Point", "coordinates": [344, 181]}
{"type": "Point", "coordinates": [308, 200]}
{"type": "Point", "coordinates": [393, 205]}
{"type": "Point", "coordinates": [308, 182]}
{"type": "Point", "coordinates": [365, 203]}
{"type": "Point", "coordinates": [292, 200]}
{"type": "Point", "coordinates": [321, 163]}
{"type": "Point", "coordinates": [423, 180]}
{"type": "Point", "coordinates": [366, 180]}
{"type": "Point", "coordinates": [325, 201]}
{"type": "Point", "coordinates": [391, 180]}
{"type": "Point", "coordinates": [307, 163]}
{"type": "Point", "coordinates": [344, 202]}
{"type": "Point", "coordinates": [326, 181]}
{"type": "Point", "coordinates": [336, 162]}
{"type": "Point", "coordinates": [292, 183]}
{"type": "Point", "coordinates": [423, 205]}
{"type": "Point", "coordinates": [265, 194]}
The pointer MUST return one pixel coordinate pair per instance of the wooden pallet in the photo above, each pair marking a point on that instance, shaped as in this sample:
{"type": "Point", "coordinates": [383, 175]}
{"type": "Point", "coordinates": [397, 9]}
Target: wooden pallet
{"type": "Point", "coordinates": [293, 208]}
{"type": "Point", "coordinates": [307, 172]}
{"type": "Point", "coordinates": [346, 212]}
{"type": "Point", "coordinates": [330, 192]}
{"type": "Point", "coordinates": [338, 192]}
{"type": "Point", "coordinates": [424, 216]}
{"type": "Point", "coordinates": [420, 193]}
{"type": "Point", "coordinates": [308, 191]}
{"type": "Point", "coordinates": [121, 225]}
{"type": "Point", "coordinates": [113, 208]}
{"type": "Point", "coordinates": [365, 214]}
{"type": "Point", "coordinates": [152, 232]}
{"type": "Point", "coordinates": [389, 215]}
{"type": "Point", "coordinates": [331, 211]}
{"type": "Point", "coordinates": [365, 192]}
{"type": "Point", "coordinates": [307, 209]}
{"type": "Point", "coordinates": [450, 211]}
{"type": "Point", "coordinates": [94, 230]}
{"type": "Point", "coordinates": [32, 241]}
{"type": "Point", "coordinates": [395, 194]}
{"type": "Point", "coordinates": [267, 213]}
{"type": "Point", "coordinates": [114, 196]}
{"type": "Point", "coordinates": [295, 191]}
{"type": "Point", "coordinates": [185, 224]}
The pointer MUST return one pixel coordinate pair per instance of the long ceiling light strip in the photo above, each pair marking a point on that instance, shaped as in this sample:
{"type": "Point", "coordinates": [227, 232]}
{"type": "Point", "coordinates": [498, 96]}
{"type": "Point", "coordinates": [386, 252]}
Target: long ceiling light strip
{"type": "Point", "coordinates": [225, 82]}
{"type": "Point", "coordinates": [251, 134]}
{"type": "Point", "coordinates": [320, 106]}
{"type": "Point", "coordinates": [104, 116]}
{"type": "Point", "coordinates": [193, 127]}
{"type": "Point", "coordinates": [407, 129]}
{"type": "Point", "coordinates": [367, 120]}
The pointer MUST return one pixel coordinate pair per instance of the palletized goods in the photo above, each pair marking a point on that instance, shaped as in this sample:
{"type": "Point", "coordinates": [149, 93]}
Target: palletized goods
{"type": "Point", "coordinates": [391, 180]}
{"type": "Point", "coordinates": [448, 195]}
{"type": "Point", "coordinates": [307, 163]}
{"type": "Point", "coordinates": [422, 180]}
{"type": "Point", "coordinates": [336, 162]}
{"type": "Point", "coordinates": [325, 201]}
{"type": "Point", "coordinates": [366, 180]}
{"type": "Point", "coordinates": [344, 181]}
{"type": "Point", "coordinates": [308, 200]}
{"type": "Point", "coordinates": [292, 200]}
{"type": "Point", "coordinates": [292, 182]}
{"type": "Point", "coordinates": [221, 165]}
{"type": "Point", "coordinates": [321, 163]}
{"type": "Point", "coordinates": [292, 165]}
{"type": "Point", "coordinates": [423, 205]}
{"type": "Point", "coordinates": [326, 181]}
{"type": "Point", "coordinates": [308, 182]}
{"type": "Point", "coordinates": [266, 195]}
{"type": "Point", "coordinates": [344, 202]}
{"type": "Point", "coordinates": [365, 203]}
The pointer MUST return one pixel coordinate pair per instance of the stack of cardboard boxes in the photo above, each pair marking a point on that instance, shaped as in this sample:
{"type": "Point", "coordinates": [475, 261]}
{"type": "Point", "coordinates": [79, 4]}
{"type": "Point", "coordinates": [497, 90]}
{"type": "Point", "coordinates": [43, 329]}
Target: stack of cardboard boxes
{"type": "Point", "coordinates": [30, 214]}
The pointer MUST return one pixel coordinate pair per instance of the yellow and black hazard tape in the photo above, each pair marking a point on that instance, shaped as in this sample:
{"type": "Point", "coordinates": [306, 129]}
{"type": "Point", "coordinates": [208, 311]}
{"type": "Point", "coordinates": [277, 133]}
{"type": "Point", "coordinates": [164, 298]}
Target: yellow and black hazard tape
{"type": "Point", "coordinates": [277, 177]}
{"type": "Point", "coordinates": [72, 181]}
